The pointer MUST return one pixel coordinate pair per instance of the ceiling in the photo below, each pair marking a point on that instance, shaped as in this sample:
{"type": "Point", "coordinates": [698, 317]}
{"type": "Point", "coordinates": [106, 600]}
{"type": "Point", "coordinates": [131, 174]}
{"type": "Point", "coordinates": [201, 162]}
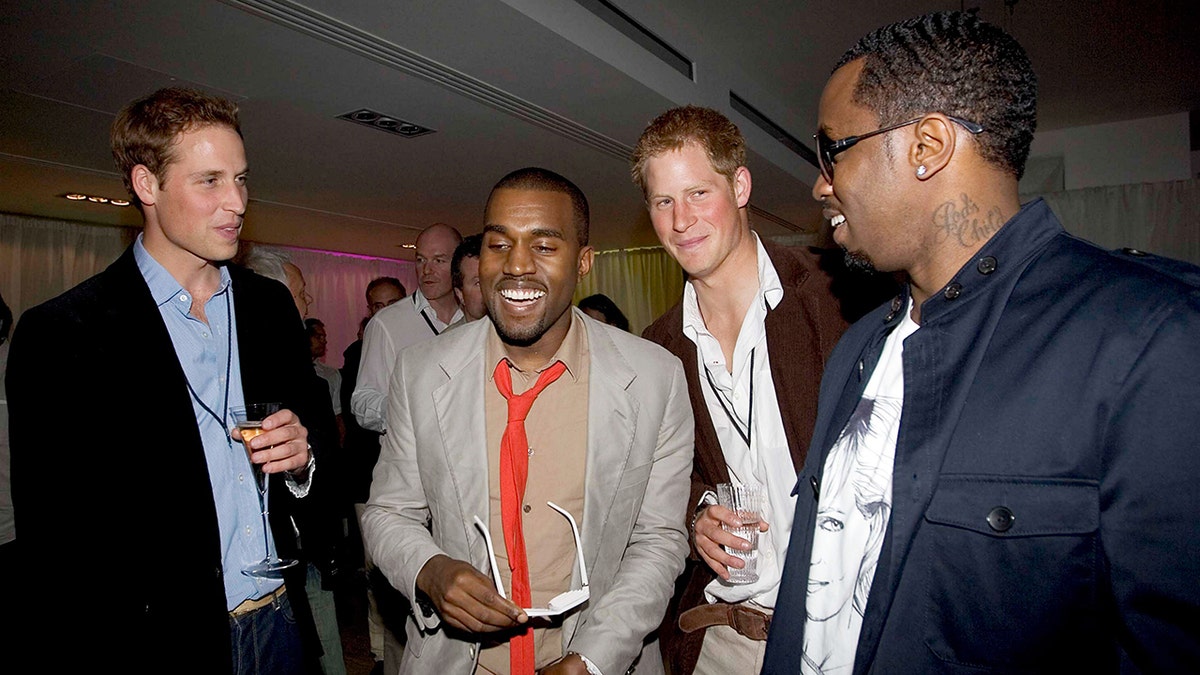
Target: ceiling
{"type": "Point", "coordinates": [504, 84]}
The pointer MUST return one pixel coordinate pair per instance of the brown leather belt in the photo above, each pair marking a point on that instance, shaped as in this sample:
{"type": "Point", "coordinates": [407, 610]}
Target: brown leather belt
{"type": "Point", "coordinates": [248, 606]}
{"type": "Point", "coordinates": [747, 621]}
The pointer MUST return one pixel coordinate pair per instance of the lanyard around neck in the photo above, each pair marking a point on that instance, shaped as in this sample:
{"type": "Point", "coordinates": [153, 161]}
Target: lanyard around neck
{"type": "Point", "coordinates": [746, 435]}
{"type": "Point", "coordinates": [228, 369]}
{"type": "Point", "coordinates": [425, 316]}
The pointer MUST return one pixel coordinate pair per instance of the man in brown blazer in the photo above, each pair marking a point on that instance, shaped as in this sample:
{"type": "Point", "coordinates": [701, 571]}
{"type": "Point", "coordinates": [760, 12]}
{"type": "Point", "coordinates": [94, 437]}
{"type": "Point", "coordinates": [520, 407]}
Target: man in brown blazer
{"type": "Point", "coordinates": [753, 329]}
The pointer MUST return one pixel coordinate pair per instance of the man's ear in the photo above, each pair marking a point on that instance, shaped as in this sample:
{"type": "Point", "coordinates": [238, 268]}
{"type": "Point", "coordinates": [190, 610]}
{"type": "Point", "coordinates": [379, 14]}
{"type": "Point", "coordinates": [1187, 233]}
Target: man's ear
{"type": "Point", "coordinates": [741, 186]}
{"type": "Point", "coordinates": [585, 261]}
{"type": "Point", "coordinates": [933, 145]}
{"type": "Point", "coordinates": [145, 184]}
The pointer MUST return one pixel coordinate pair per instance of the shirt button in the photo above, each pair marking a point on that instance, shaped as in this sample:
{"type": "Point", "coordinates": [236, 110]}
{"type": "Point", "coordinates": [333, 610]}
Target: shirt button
{"type": "Point", "coordinates": [1000, 519]}
{"type": "Point", "coordinates": [183, 298]}
{"type": "Point", "coordinates": [203, 334]}
{"type": "Point", "coordinates": [953, 291]}
{"type": "Point", "coordinates": [247, 529]}
{"type": "Point", "coordinates": [528, 508]}
{"type": "Point", "coordinates": [986, 265]}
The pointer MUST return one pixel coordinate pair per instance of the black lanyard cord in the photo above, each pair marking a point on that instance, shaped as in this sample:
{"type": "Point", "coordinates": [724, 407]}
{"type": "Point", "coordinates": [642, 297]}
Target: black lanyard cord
{"type": "Point", "coordinates": [728, 413]}
{"type": "Point", "coordinates": [228, 369]}
{"type": "Point", "coordinates": [429, 323]}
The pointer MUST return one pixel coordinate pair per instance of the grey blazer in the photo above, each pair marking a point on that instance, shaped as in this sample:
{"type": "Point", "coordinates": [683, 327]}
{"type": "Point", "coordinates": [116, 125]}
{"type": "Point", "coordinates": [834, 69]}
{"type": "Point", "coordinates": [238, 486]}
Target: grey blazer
{"type": "Point", "coordinates": [431, 480]}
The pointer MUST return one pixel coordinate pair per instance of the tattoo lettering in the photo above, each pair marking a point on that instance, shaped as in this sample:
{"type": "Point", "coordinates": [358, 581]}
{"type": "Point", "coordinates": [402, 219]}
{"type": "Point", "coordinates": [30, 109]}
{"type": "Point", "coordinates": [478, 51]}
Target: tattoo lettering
{"type": "Point", "coordinates": [962, 221]}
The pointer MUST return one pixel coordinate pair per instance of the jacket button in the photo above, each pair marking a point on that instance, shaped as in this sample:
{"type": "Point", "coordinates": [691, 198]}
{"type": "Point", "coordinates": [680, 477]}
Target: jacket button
{"type": "Point", "coordinates": [986, 265]}
{"type": "Point", "coordinates": [1000, 519]}
{"type": "Point", "coordinates": [953, 291]}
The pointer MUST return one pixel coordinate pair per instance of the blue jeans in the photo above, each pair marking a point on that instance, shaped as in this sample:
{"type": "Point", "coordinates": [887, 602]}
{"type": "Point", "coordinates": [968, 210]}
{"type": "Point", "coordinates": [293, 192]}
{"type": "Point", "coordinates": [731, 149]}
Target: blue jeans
{"type": "Point", "coordinates": [267, 641]}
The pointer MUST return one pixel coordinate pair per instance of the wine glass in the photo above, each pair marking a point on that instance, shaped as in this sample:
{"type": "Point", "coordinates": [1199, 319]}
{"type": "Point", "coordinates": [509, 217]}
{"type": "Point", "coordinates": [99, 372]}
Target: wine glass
{"type": "Point", "coordinates": [249, 419]}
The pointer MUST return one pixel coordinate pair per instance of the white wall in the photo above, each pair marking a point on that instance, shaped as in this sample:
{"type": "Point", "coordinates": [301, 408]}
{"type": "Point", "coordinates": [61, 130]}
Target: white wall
{"type": "Point", "coordinates": [1145, 150]}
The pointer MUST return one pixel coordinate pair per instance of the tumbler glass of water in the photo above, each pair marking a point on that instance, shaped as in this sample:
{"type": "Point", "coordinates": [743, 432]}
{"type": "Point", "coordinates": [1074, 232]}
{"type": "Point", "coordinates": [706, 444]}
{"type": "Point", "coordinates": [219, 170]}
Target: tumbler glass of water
{"type": "Point", "coordinates": [746, 502]}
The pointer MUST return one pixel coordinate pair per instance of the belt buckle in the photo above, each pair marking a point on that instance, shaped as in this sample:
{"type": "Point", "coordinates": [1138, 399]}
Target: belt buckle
{"type": "Point", "coordinates": [749, 623]}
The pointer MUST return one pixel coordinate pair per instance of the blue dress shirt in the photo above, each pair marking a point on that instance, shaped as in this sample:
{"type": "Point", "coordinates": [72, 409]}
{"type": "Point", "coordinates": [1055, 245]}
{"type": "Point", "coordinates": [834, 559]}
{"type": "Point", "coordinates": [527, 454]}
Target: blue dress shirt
{"type": "Point", "coordinates": [207, 353]}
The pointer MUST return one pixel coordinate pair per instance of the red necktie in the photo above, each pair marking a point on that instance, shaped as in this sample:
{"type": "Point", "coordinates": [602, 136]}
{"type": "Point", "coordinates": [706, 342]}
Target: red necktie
{"type": "Point", "coordinates": [514, 471]}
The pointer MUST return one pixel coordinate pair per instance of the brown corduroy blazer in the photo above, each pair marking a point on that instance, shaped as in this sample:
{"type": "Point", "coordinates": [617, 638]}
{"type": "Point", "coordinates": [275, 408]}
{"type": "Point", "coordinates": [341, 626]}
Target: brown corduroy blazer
{"type": "Point", "coordinates": [801, 332]}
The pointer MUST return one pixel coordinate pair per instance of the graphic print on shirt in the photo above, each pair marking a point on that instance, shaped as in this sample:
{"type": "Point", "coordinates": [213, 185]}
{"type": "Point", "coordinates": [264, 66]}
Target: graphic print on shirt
{"type": "Point", "coordinates": [852, 515]}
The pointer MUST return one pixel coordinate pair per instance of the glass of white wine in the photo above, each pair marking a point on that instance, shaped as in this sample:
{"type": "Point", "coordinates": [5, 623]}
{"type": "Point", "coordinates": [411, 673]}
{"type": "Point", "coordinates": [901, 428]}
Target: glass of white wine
{"type": "Point", "coordinates": [249, 419]}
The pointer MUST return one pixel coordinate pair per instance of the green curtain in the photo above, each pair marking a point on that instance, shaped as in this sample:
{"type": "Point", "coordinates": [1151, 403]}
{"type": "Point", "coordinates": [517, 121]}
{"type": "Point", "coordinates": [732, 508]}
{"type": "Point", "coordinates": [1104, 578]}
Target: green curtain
{"type": "Point", "coordinates": [644, 282]}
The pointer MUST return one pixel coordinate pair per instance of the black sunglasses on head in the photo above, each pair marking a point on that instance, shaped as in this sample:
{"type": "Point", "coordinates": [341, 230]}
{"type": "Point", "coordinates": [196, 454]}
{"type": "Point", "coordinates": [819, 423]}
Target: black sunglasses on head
{"type": "Point", "coordinates": [828, 148]}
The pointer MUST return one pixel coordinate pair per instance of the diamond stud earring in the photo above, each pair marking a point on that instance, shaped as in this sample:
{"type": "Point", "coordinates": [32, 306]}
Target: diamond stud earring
{"type": "Point", "coordinates": [921, 171]}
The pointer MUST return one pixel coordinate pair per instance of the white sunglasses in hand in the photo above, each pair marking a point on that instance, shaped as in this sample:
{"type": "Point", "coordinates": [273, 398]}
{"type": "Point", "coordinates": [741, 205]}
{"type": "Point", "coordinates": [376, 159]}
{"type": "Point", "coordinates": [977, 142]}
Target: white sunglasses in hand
{"type": "Point", "coordinates": [561, 603]}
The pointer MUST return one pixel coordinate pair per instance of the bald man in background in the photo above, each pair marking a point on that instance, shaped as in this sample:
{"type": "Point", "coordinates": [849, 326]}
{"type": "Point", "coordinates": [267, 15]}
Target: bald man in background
{"type": "Point", "coordinates": [423, 315]}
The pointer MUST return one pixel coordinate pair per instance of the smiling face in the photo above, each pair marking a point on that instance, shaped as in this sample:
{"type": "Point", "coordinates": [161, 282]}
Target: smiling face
{"type": "Point", "coordinates": [832, 577]}
{"type": "Point", "coordinates": [529, 265]}
{"type": "Point", "coordinates": [194, 213]}
{"type": "Point", "coordinates": [695, 211]}
{"type": "Point", "coordinates": [868, 204]}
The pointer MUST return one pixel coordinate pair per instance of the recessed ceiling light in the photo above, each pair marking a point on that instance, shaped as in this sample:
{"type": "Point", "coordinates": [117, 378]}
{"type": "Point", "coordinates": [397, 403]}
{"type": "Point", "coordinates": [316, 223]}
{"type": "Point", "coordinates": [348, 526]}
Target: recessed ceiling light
{"type": "Point", "coordinates": [413, 246]}
{"type": "Point", "coordinates": [388, 123]}
{"type": "Point", "coordinates": [95, 199]}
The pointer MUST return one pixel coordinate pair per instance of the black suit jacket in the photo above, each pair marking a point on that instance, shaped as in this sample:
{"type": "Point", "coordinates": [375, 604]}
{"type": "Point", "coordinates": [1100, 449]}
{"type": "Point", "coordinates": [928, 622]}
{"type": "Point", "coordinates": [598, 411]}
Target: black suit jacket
{"type": "Point", "coordinates": [801, 332]}
{"type": "Point", "coordinates": [110, 484]}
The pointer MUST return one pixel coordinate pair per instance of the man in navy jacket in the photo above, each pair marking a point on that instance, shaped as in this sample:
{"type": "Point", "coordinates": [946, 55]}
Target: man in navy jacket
{"type": "Point", "coordinates": [1003, 471]}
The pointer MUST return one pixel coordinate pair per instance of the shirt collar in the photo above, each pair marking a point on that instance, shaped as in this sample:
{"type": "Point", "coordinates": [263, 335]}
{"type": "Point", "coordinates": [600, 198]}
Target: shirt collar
{"type": "Point", "coordinates": [421, 303]}
{"type": "Point", "coordinates": [571, 352]}
{"type": "Point", "coordinates": [163, 287]}
{"type": "Point", "coordinates": [770, 292]}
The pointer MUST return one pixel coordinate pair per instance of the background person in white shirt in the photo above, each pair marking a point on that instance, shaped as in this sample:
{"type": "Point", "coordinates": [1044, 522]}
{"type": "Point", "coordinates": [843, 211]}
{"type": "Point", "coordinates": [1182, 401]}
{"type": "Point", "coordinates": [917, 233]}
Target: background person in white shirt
{"type": "Point", "coordinates": [421, 316]}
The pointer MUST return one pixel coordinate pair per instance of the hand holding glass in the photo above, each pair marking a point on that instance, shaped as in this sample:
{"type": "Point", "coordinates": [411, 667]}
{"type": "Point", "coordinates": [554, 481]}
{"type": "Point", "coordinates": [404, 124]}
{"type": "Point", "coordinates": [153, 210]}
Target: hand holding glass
{"type": "Point", "coordinates": [560, 603]}
{"type": "Point", "coordinates": [746, 502]}
{"type": "Point", "coordinates": [249, 419]}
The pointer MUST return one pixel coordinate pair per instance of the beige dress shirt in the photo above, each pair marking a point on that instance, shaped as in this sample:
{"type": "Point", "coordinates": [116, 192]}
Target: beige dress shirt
{"type": "Point", "coordinates": [557, 431]}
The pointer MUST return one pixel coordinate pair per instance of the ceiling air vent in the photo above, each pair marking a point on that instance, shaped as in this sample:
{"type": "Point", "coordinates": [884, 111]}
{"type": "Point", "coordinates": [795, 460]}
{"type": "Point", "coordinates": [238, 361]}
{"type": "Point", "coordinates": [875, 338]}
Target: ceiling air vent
{"type": "Point", "coordinates": [388, 123]}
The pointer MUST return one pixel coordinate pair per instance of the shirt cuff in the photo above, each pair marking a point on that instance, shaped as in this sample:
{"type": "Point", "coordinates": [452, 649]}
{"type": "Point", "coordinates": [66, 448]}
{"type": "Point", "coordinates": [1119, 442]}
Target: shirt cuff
{"type": "Point", "coordinates": [300, 490]}
{"type": "Point", "coordinates": [592, 669]}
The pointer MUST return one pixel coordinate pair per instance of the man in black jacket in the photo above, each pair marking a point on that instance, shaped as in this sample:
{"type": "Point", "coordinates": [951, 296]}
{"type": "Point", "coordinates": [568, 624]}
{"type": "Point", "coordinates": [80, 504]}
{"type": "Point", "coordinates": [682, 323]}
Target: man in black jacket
{"type": "Point", "coordinates": [140, 513]}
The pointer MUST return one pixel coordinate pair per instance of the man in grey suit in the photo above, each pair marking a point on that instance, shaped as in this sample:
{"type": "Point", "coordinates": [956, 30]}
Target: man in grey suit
{"type": "Point", "coordinates": [610, 440]}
